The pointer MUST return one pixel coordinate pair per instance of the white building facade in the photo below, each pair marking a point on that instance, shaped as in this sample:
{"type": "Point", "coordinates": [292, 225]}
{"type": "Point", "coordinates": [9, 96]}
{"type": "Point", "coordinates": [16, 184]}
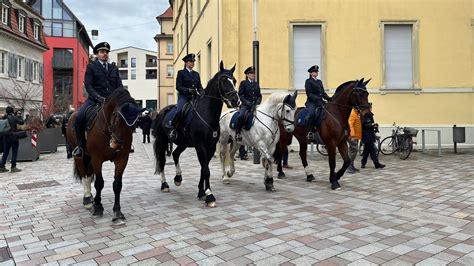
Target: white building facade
{"type": "Point", "coordinates": [138, 70]}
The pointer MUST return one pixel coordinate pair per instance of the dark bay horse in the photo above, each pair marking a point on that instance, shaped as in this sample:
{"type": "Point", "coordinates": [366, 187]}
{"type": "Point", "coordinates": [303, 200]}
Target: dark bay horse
{"type": "Point", "coordinates": [334, 129]}
{"type": "Point", "coordinates": [201, 131]}
{"type": "Point", "coordinates": [110, 138]}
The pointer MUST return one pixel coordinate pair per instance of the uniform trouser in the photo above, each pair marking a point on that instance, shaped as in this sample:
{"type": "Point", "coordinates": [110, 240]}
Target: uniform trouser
{"type": "Point", "coordinates": [311, 117]}
{"type": "Point", "coordinates": [353, 149]}
{"type": "Point", "coordinates": [8, 144]}
{"type": "Point", "coordinates": [285, 156]}
{"type": "Point", "coordinates": [242, 152]}
{"type": "Point", "coordinates": [369, 148]}
{"type": "Point", "coordinates": [179, 108]}
{"type": "Point", "coordinates": [243, 110]}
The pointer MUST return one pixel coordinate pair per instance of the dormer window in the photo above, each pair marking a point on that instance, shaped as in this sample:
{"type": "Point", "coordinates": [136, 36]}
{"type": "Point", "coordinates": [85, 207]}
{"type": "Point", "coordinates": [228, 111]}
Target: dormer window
{"type": "Point", "coordinates": [21, 23]}
{"type": "Point", "coordinates": [36, 31]}
{"type": "Point", "coordinates": [5, 12]}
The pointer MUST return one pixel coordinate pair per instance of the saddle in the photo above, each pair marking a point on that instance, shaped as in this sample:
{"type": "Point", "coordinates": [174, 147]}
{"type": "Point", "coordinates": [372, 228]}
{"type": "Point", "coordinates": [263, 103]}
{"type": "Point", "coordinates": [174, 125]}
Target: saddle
{"type": "Point", "coordinates": [248, 118]}
{"type": "Point", "coordinates": [185, 117]}
{"type": "Point", "coordinates": [302, 118]}
{"type": "Point", "coordinates": [91, 115]}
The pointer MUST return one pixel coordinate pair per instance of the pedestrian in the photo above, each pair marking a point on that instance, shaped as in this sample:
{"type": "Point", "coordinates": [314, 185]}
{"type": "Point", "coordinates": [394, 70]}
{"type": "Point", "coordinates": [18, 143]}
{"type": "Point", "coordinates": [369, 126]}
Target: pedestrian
{"type": "Point", "coordinates": [145, 125]}
{"type": "Point", "coordinates": [188, 84]}
{"type": "Point", "coordinates": [250, 95]}
{"type": "Point", "coordinates": [355, 136]}
{"type": "Point", "coordinates": [285, 159]}
{"type": "Point", "coordinates": [369, 127]}
{"type": "Point", "coordinates": [315, 94]}
{"type": "Point", "coordinates": [10, 141]}
{"type": "Point", "coordinates": [63, 130]}
{"type": "Point", "coordinates": [243, 155]}
{"type": "Point", "coordinates": [100, 80]}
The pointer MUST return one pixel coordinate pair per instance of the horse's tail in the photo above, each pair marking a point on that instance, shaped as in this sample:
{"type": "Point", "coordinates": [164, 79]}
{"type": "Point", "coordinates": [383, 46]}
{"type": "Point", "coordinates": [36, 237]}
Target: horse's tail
{"type": "Point", "coordinates": [157, 122]}
{"type": "Point", "coordinates": [86, 164]}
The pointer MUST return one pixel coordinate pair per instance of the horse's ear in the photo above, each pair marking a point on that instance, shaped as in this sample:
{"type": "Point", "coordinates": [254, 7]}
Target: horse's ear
{"type": "Point", "coordinates": [233, 68]}
{"type": "Point", "coordinates": [359, 83]}
{"type": "Point", "coordinates": [221, 65]}
{"type": "Point", "coordinates": [367, 82]}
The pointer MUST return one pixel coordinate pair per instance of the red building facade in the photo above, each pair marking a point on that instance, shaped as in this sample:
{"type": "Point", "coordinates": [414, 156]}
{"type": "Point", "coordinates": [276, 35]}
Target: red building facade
{"type": "Point", "coordinates": [66, 60]}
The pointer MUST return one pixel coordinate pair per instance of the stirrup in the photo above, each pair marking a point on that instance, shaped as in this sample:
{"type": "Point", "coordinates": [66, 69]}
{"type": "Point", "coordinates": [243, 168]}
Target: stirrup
{"type": "Point", "coordinates": [172, 134]}
{"type": "Point", "coordinates": [310, 136]}
{"type": "Point", "coordinates": [78, 153]}
{"type": "Point", "coordinates": [238, 137]}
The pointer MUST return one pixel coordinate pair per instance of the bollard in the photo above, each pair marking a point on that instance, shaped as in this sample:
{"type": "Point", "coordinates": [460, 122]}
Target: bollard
{"type": "Point", "coordinates": [256, 156]}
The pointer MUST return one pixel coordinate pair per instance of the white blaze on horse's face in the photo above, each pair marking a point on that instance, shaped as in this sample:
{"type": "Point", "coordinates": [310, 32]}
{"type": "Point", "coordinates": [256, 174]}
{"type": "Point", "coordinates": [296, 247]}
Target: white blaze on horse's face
{"type": "Point", "coordinates": [228, 101]}
{"type": "Point", "coordinates": [288, 118]}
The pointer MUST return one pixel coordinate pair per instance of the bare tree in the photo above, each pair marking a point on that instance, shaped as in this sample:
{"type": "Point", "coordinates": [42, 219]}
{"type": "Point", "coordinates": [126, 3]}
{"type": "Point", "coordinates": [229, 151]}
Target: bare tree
{"type": "Point", "coordinates": [22, 95]}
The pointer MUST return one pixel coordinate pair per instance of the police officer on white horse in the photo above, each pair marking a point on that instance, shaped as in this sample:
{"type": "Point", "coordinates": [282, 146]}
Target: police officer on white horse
{"type": "Point", "coordinates": [100, 80]}
{"type": "Point", "coordinates": [250, 95]}
{"type": "Point", "coordinates": [315, 92]}
{"type": "Point", "coordinates": [188, 84]}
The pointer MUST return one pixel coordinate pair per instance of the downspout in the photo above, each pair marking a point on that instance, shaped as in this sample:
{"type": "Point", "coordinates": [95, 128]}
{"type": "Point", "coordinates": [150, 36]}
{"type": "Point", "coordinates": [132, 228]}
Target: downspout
{"type": "Point", "coordinates": [187, 28]}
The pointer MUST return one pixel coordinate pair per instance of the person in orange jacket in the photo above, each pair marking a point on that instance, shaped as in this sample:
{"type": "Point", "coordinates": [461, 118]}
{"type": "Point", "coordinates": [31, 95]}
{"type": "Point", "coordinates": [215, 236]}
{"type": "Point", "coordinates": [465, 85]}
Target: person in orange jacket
{"type": "Point", "coordinates": [355, 136]}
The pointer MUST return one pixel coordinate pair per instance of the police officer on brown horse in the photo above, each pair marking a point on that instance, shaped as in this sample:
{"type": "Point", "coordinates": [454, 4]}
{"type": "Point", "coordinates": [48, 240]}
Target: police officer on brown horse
{"type": "Point", "coordinates": [315, 92]}
{"type": "Point", "coordinates": [100, 80]}
{"type": "Point", "coordinates": [250, 95]}
{"type": "Point", "coordinates": [188, 84]}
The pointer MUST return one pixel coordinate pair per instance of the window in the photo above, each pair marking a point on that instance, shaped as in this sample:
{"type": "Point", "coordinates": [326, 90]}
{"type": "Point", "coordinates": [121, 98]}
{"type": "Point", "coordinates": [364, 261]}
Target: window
{"type": "Point", "coordinates": [47, 9]}
{"type": "Point", "coordinates": [123, 63]}
{"type": "Point", "coordinates": [398, 56]}
{"type": "Point", "coordinates": [3, 63]}
{"type": "Point", "coordinates": [169, 71]}
{"type": "Point", "coordinates": [191, 16]}
{"type": "Point", "coordinates": [134, 62]}
{"type": "Point", "coordinates": [47, 28]}
{"type": "Point", "coordinates": [57, 29]}
{"type": "Point", "coordinates": [36, 31]}
{"type": "Point", "coordinates": [20, 67]}
{"type": "Point", "coordinates": [139, 102]}
{"type": "Point", "coordinates": [5, 11]}
{"type": "Point", "coordinates": [35, 71]}
{"type": "Point", "coordinates": [123, 74]}
{"type": "Point", "coordinates": [306, 52]}
{"type": "Point", "coordinates": [133, 74]}
{"type": "Point", "coordinates": [151, 105]}
{"type": "Point", "coordinates": [21, 23]}
{"type": "Point", "coordinates": [57, 10]}
{"type": "Point", "coordinates": [182, 37]}
{"type": "Point", "coordinates": [169, 47]}
{"type": "Point", "coordinates": [62, 58]}
{"type": "Point", "coordinates": [68, 29]}
{"type": "Point", "coordinates": [150, 74]}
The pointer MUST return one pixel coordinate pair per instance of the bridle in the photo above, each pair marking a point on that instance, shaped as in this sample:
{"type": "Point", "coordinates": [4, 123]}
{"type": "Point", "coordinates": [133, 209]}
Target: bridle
{"type": "Point", "coordinates": [288, 121]}
{"type": "Point", "coordinates": [224, 97]}
{"type": "Point", "coordinates": [358, 107]}
{"type": "Point", "coordinates": [111, 125]}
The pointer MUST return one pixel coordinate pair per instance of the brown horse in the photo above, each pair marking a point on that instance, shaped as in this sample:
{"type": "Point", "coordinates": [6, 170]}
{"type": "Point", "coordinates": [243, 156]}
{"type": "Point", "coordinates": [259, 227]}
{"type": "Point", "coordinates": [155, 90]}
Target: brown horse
{"type": "Point", "coordinates": [110, 138]}
{"type": "Point", "coordinates": [334, 129]}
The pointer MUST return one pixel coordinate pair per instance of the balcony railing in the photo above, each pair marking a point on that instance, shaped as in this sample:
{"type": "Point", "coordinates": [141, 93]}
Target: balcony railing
{"type": "Point", "coordinates": [123, 65]}
{"type": "Point", "coordinates": [150, 64]}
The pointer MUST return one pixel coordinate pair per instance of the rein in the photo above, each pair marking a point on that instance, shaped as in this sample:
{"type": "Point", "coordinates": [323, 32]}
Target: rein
{"type": "Point", "coordinates": [274, 119]}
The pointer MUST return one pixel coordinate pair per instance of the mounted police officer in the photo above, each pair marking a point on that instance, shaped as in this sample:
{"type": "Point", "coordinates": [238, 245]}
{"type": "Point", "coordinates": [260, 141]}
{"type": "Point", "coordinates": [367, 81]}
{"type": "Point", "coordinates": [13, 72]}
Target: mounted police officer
{"type": "Point", "coordinates": [250, 95]}
{"type": "Point", "coordinates": [188, 84]}
{"type": "Point", "coordinates": [100, 80]}
{"type": "Point", "coordinates": [315, 93]}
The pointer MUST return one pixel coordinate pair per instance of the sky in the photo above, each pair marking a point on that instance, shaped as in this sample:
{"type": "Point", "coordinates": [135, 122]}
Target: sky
{"type": "Point", "coordinates": [121, 23]}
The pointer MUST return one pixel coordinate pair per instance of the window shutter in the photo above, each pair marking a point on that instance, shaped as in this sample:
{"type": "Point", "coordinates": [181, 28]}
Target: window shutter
{"type": "Point", "coordinates": [10, 64]}
{"type": "Point", "coordinates": [306, 52]}
{"type": "Point", "coordinates": [398, 56]}
{"type": "Point", "coordinates": [15, 66]}
{"type": "Point", "coordinates": [41, 72]}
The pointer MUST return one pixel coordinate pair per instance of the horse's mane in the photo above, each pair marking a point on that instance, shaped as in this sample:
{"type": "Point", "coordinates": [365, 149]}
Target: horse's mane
{"type": "Point", "coordinates": [340, 88]}
{"type": "Point", "coordinates": [212, 83]}
{"type": "Point", "coordinates": [121, 96]}
{"type": "Point", "coordinates": [275, 98]}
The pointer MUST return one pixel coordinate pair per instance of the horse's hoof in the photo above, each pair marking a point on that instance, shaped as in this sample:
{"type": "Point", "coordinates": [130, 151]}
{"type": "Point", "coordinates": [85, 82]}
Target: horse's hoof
{"type": "Point", "coordinates": [88, 202]}
{"type": "Point", "coordinates": [177, 180]}
{"type": "Point", "coordinates": [270, 188]}
{"type": "Point", "coordinates": [211, 204]}
{"type": "Point", "coordinates": [119, 218]}
{"type": "Point", "coordinates": [98, 212]}
{"type": "Point", "coordinates": [335, 185]}
{"type": "Point", "coordinates": [310, 178]}
{"type": "Point", "coordinates": [226, 181]}
{"type": "Point", "coordinates": [165, 187]}
{"type": "Point", "coordinates": [201, 195]}
{"type": "Point", "coordinates": [210, 201]}
{"type": "Point", "coordinates": [281, 175]}
{"type": "Point", "coordinates": [229, 174]}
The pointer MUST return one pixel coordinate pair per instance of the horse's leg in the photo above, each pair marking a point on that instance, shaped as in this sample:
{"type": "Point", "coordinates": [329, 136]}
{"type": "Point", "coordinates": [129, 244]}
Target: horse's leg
{"type": "Point", "coordinates": [161, 146]}
{"type": "Point", "coordinates": [234, 148]}
{"type": "Point", "coordinates": [120, 164]}
{"type": "Point", "coordinates": [279, 150]}
{"type": "Point", "coordinates": [331, 148]}
{"type": "Point", "coordinates": [88, 199]}
{"type": "Point", "coordinates": [268, 165]}
{"type": "Point", "coordinates": [224, 155]}
{"type": "Point", "coordinates": [343, 150]}
{"type": "Point", "coordinates": [203, 155]}
{"type": "Point", "coordinates": [176, 153]}
{"type": "Point", "coordinates": [303, 155]}
{"type": "Point", "coordinates": [99, 185]}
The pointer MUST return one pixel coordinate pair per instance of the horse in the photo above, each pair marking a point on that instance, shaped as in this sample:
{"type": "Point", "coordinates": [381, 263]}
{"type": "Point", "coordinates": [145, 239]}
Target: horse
{"type": "Point", "coordinates": [263, 135]}
{"type": "Point", "coordinates": [200, 131]}
{"type": "Point", "coordinates": [334, 129]}
{"type": "Point", "coordinates": [109, 138]}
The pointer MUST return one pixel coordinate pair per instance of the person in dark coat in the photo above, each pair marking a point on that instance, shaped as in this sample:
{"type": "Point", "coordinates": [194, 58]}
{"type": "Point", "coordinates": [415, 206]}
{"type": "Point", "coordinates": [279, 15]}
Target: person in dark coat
{"type": "Point", "coordinates": [63, 130]}
{"type": "Point", "coordinates": [369, 128]}
{"type": "Point", "coordinates": [100, 80]}
{"type": "Point", "coordinates": [145, 125]}
{"type": "Point", "coordinates": [315, 94]}
{"type": "Point", "coordinates": [10, 142]}
{"type": "Point", "coordinates": [188, 84]}
{"type": "Point", "coordinates": [250, 95]}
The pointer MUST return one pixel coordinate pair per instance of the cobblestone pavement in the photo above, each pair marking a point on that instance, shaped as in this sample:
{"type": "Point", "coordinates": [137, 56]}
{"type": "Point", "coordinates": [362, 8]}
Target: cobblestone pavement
{"type": "Point", "coordinates": [419, 211]}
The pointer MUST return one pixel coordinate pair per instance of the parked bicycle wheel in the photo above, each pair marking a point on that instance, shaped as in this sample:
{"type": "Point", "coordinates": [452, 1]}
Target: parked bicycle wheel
{"type": "Point", "coordinates": [322, 149]}
{"type": "Point", "coordinates": [388, 145]}
{"type": "Point", "coordinates": [406, 146]}
{"type": "Point", "coordinates": [376, 144]}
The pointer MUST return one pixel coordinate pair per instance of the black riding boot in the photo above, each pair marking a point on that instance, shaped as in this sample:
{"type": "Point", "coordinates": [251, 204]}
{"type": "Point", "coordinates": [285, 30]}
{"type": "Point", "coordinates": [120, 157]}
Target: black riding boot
{"type": "Point", "coordinates": [78, 152]}
{"type": "Point", "coordinates": [173, 135]}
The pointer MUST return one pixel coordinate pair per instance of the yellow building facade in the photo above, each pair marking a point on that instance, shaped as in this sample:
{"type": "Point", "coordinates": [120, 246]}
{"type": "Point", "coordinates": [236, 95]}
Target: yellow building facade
{"type": "Point", "coordinates": [418, 53]}
{"type": "Point", "coordinates": [165, 45]}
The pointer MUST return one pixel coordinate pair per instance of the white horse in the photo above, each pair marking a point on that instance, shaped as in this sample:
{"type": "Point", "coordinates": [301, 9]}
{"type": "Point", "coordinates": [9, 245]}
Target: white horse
{"type": "Point", "coordinates": [263, 135]}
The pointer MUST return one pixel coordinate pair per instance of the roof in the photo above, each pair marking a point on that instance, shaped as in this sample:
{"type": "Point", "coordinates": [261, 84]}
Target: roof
{"type": "Point", "coordinates": [168, 14]}
{"type": "Point", "coordinates": [80, 26]}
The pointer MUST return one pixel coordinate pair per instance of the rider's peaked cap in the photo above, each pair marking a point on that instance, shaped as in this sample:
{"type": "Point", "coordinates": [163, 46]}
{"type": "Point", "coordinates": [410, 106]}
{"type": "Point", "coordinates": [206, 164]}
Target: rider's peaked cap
{"type": "Point", "coordinates": [314, 68]}
{"type": "Point", "coordinates": [189, 57]}
{"type": "Point", "coordinates": [250, 69]}
{"type": "Point", "coordinates": [101, 46]}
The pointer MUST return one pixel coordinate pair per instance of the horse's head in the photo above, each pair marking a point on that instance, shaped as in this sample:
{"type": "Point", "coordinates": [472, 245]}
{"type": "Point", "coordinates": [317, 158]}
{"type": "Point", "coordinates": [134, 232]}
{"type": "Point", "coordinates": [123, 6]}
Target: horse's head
{"type": "Point", "coordinates": [288, 110]}
{"type": "Point", "coordinates": [359, 97]}
{"type": "Point", "coordinates": [121, 113]}
{"type": "Point", "coordinates": [226, 86]}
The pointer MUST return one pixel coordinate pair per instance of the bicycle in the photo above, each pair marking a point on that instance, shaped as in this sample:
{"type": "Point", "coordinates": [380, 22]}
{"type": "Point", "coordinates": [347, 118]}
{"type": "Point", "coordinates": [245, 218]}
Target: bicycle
{"type": "Point", "coordinates": [400, 141]}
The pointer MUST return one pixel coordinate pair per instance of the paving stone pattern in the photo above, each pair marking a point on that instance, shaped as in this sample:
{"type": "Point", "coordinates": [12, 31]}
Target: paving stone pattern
{"type": "Point", "coordinates": [419, 211]}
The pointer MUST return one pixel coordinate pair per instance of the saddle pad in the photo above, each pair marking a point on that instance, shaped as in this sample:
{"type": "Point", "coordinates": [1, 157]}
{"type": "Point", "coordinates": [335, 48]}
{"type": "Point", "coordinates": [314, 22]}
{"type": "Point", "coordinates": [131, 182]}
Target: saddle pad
{"type": "Point", "coordinates": [91, 115]}
{"type": "Point", "coordinates": [187, 113]}
{"type": "Point", "coordinates": [234, 120]}
{"type": "Point", "coordinates": [301, 118]}
{"type": "Point", "coordinates": [248, 120]}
